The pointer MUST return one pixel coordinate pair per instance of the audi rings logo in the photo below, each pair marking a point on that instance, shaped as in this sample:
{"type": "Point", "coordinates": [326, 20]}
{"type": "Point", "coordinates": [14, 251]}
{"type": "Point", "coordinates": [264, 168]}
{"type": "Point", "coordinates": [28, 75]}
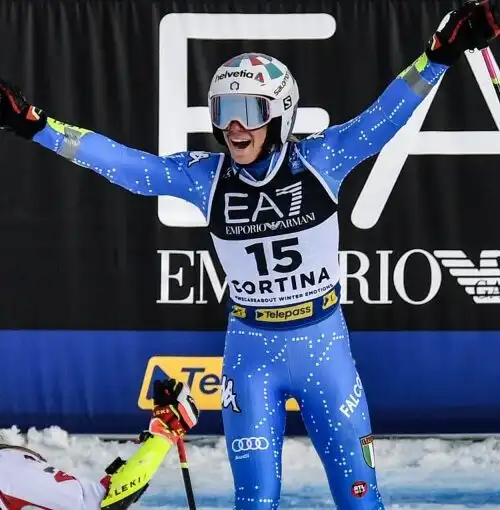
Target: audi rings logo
{"type": "Point", "coordinates": [246, 444]}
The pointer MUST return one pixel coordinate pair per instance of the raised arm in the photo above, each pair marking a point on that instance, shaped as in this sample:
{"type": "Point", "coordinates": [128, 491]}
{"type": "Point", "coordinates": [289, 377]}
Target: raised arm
{"type": "Point", "coordinates": [174, 414]}
{"type": "Point", "coordinates": [186, 175]}
{"type": "Point", "coordinates": [337, 150]}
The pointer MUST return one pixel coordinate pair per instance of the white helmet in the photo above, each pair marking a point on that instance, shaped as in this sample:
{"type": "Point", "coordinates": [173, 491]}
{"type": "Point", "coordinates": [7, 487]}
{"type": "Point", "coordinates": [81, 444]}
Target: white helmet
{"type": "Point", "coordinates": [256, 90]}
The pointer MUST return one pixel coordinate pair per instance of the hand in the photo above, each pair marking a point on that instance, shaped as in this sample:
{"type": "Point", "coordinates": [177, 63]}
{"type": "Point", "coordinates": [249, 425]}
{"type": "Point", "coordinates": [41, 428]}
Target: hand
{"type": "Point", "coordinates": [471, 26]}
{"type": "Point", "coordinates": [175, 411]}
{"type": "Point", "coordinates": [17, 115]}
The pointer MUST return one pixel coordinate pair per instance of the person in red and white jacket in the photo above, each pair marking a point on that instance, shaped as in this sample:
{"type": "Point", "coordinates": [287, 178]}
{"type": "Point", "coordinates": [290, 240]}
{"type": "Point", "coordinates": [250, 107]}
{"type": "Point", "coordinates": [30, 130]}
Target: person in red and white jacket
{"type": "Point", "coordinates": [28, 481]}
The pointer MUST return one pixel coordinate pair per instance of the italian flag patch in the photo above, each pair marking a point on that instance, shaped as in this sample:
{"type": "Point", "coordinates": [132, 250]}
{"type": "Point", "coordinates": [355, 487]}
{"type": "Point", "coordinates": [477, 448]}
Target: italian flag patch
{"type": "Point", "coordinates": [368, 451]}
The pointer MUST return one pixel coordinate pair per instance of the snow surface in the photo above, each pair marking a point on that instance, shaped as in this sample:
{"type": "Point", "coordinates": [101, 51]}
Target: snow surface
{"type": "Point", "coordinates": [424, 474]}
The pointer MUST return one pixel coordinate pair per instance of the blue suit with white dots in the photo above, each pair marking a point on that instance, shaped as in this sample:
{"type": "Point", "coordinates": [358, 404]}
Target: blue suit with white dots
{"type": "Point", "coordinates": [263, 367]}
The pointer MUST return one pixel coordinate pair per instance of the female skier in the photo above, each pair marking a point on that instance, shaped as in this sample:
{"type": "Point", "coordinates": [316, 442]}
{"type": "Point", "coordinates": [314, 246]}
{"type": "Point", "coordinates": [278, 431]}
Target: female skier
{"type": "Point", "coordinates": [271, 207]}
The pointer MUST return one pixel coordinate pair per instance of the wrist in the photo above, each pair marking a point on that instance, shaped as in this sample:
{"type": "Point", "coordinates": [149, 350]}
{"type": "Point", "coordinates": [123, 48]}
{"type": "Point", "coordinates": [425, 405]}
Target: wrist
{"type": "Point", "coordinates": [29, 122]}
{"type": "Point", "coordinates": [171, 434]}
{"type": "Point", "coordinates": [442, 53]}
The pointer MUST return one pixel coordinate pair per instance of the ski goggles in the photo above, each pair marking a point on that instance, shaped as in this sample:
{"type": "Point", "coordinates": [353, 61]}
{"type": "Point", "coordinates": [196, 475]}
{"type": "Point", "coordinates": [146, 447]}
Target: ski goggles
{"type": "Point", "coordinates": [252, 112]}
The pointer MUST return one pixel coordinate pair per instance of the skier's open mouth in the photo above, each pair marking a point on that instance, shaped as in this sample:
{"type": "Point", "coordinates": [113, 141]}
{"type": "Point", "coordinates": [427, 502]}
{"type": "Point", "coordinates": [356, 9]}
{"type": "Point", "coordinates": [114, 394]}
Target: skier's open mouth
{"type": "Point", "coordinates": [241, 144]}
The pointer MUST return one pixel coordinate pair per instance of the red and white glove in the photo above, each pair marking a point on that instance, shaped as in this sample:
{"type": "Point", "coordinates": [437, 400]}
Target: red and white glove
{"type": "Point", "coordinates": [175, 411]}
{"type": "Point", "coordinates": [472, 26]}
{"type": "Point", "coordinates": [17, 115]}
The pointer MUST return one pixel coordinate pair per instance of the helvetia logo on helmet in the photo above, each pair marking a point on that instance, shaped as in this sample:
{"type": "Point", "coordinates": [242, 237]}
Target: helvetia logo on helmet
{"type": "Point", "coordinates": [240, 74]}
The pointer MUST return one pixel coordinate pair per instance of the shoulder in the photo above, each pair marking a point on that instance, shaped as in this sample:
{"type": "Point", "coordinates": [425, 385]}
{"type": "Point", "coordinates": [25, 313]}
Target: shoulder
{"type": "Point", "coordinates": [195, 160]}
{"type": "Point", "coordinates": [211, 159]}
{"type": "Point", "coordinates": [20, 449]}
{"type": "Point", "coordinates": [319, 149]}
{"type": "Point", "coordinates": [190, 158]}
{"type": "Point", "coordinates": [319, 140]}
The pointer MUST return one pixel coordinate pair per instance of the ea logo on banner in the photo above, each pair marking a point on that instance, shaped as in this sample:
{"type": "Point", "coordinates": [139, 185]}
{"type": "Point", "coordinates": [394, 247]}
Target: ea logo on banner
{"type": "Point", "coordinates": [177, 120]}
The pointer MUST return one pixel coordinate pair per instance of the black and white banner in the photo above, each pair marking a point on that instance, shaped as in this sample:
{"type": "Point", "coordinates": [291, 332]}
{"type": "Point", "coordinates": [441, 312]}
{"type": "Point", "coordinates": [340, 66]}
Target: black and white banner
{"type": "Point", "coordinates": [131, 279]}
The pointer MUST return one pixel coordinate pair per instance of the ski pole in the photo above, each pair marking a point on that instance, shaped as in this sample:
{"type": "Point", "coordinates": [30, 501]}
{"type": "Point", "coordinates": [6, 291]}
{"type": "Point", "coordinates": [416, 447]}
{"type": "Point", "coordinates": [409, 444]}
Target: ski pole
{"type": "Point", "coordinates": [181, 448]}
{"type": "Point", "coordinates": [491, 64]}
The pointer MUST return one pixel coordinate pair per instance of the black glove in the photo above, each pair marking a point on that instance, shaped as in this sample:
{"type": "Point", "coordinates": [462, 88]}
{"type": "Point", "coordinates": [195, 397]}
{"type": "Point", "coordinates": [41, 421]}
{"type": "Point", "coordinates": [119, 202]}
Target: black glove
{"type": "Point", "coordinates": [471, 26]}
{"type": "Point", "coordinates": [17, 115]}
{"type": "Point", "coordinates": [174, 405]}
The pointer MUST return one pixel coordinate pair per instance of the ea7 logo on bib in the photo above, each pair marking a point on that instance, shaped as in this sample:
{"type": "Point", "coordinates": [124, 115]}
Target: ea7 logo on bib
{"type": "Point", "coordinates": [261, 212]}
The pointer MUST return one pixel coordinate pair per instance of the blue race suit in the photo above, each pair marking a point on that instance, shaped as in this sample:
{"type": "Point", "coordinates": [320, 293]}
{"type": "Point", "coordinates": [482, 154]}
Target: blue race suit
{"type": "Point", "coordinates": [274, 227]}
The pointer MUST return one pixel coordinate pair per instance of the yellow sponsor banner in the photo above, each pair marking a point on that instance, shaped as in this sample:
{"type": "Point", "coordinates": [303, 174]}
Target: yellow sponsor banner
{"type": "Point", "coordinates": [285, 314]}
{"type": "Point", "coordinates": [201, 373]}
